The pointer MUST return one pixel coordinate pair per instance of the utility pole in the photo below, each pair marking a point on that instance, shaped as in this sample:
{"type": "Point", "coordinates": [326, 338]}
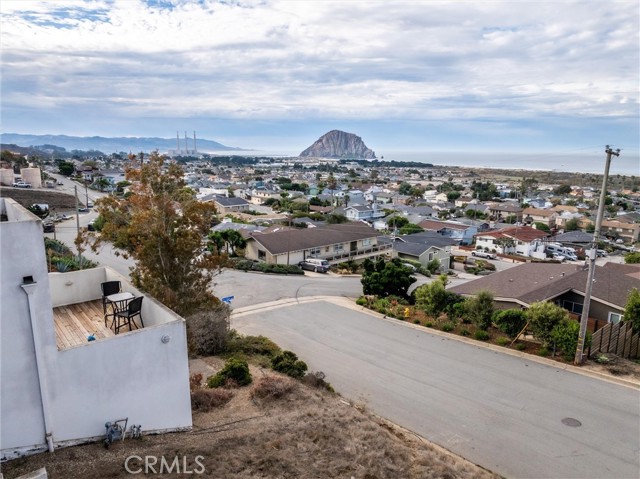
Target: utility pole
{"type": "Point", "coordinates": [584, 317]}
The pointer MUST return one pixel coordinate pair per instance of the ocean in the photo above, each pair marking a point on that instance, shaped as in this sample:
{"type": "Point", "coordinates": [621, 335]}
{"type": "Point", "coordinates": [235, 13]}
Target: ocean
{"type": "Point", "coordinates": [628, 163]}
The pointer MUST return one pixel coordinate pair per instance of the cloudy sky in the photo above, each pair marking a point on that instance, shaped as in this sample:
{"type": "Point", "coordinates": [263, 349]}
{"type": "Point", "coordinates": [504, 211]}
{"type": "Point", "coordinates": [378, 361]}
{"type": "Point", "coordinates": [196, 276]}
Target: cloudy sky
{"type": "Point", "coordinates": [421, 75]}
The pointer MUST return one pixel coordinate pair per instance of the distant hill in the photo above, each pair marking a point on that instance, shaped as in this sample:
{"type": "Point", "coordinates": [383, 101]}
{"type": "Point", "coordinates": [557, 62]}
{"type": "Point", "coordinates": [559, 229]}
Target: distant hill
{"type": "Point", "coordinates": [339, 144]}
{"type": "Point", "coordinates": [110, 145]}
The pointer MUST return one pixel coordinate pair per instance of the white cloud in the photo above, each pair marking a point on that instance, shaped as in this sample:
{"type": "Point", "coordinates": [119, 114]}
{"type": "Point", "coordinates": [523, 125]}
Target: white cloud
{"type": "Point", "coordinates": [297, 59]}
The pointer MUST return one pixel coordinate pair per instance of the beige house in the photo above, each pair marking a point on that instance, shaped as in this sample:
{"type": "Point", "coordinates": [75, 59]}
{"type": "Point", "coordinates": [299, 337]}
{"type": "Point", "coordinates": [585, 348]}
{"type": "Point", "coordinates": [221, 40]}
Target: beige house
{"type": "Point", "coordinates": [627, 231]}
{"type": "Point", "coordinates": [535, 215]}
{"type": "Point", "coordinates": [336, 243]}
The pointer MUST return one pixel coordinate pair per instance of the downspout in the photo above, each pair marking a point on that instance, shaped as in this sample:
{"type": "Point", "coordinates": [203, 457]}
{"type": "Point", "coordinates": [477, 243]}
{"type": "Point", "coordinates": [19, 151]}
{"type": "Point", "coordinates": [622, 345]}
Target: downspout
{"type": "Point", "coordinates": [29, 286]}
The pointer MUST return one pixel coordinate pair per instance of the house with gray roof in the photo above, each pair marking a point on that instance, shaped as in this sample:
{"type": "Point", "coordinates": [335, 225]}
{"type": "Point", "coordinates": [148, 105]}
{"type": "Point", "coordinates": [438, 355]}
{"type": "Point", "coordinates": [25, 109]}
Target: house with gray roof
{"type": "Point", "coordinates": [423, 247]}
{"type": "Point", "coordinates": [225, 205]}
{"type": "Point", "coordinates": [336, 243]}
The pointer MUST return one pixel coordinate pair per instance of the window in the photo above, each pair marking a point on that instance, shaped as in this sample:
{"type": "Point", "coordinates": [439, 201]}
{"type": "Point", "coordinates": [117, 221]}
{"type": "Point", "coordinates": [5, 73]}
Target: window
{"type": "Point", "coordinates": [314, 252]}
{"type": "Point", "coordinates": [262, 255]}
{"type": "Point", "coordinates": [572, 307]}
{"type": "Point", "coordinates": [338, 248]}
{"type": "Point", "coordinates": [614, 317]}
{"type": "Point", "coordinates": [366, 242]}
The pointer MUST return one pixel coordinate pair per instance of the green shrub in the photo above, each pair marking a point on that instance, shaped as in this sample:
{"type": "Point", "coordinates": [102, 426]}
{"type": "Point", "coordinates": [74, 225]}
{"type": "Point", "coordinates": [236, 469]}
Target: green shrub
{"type": "Point", "coordinates": [234, 370]}
{"type": "Point", "coordinates": [287, 362]}
{"type": "Point", "coordinates": [251, 345]}
{"type": "Point", "coordinates": [510, 321]}
{"type": "Point", "coordinates": [543, 351]}
{"type": "Point", "coordinates": [565, 337]}
{"type": "Point", "coordinates": [429, 324]}
{"type": "Point", "coordinates": [361, 301]}
{"type": "Point", "coordinates": [416, 321]}
{"type": "Point", "coordinates": [521, 346]}
{"type": "Point", "coordinates": [479, 309]}
{"type": "Point", "coordinates": [502, 341]}
{"type": "Point", "coordinates": [481, 335]}
{"type": "Point", "coordinates": [448, 327]}
{"type": "Point", "coordinates": [543, 316]}
{"type": "Point", "coordinates": [464, 332]}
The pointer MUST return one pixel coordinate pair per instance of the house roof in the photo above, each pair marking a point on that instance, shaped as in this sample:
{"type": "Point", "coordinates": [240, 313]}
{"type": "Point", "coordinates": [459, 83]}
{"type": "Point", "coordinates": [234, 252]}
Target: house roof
{"type": "Point", "coordinates": [430, 238]}
{"type": "Point", "coordinates": [301, 239]}
{"type": "Point", "coordinates": [533, 282]}
{"type": "Point", "coordinates": [413, 249]}
{"type": "Point", "coordinates": [521, 233]}
{"type": "Point", "coordinates": [435, 225]}
{"type": "Point", "coordinates": [539, 212]}
{"type": "Point", "coordinates": [574, 237]}
{"type": "Point", "coordinates": [225, 202]}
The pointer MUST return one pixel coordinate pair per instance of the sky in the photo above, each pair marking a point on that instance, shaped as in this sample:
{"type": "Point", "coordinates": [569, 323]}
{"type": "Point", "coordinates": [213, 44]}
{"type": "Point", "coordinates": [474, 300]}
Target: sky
{"type": "Point", "coordinates": [525, 76]}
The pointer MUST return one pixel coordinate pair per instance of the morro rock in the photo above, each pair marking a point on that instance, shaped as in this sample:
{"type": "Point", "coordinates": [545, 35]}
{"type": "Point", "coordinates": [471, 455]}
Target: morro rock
{"type": "Point", "coordinates": [339, 144]}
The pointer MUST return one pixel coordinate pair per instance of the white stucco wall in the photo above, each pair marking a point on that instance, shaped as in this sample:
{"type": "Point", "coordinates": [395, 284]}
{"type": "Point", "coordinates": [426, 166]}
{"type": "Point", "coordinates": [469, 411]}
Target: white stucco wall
{"type": "Point", "coordinates": [22, 254]}
{"type": "Point", "coordinates": [134, 374]}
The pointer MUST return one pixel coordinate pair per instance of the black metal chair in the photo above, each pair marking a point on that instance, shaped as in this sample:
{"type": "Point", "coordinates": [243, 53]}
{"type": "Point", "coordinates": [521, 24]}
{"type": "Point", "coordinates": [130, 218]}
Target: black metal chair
{"type": "Point", "coordinates": [108, 288]}
{"type": "Point", "coordinates": [125, 317]}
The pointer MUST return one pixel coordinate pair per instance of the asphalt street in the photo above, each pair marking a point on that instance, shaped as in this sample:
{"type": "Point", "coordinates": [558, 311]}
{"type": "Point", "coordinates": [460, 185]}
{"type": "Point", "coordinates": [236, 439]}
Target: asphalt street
{"type": "Point", "coordinates": [511, 415]}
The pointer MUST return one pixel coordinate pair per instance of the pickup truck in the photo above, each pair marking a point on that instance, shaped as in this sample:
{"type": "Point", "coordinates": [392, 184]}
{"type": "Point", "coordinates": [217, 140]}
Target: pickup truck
{"type": "Point", "coordinates": [21, 184]}
{"type": "Point", "coordinates": [483, 254]}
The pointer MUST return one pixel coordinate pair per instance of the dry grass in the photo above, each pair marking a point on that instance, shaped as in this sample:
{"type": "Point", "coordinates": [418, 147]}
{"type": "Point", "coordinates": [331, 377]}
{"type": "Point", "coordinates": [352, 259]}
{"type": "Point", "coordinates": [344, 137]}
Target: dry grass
{"type": "Point", "coordinates": [206, 399]}
{"type": "Point", "coordinates": [305, 433]}
{"type": "Point", "coordinates": [273, 387]}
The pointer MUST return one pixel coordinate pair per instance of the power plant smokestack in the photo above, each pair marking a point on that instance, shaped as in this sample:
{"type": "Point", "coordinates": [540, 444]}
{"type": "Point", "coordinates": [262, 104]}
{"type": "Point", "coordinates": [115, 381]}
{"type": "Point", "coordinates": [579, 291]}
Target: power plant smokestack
{"type": "Point", "coordinates": [178, 140]}
{"type": "Point", "coordinates": [195, 149]}
{"type": "Point", "coordinates": [186, 143]}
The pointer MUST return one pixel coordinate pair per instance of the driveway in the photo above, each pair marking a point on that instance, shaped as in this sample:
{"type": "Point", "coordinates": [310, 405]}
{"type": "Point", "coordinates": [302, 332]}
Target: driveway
{"type": "Point", "coordinates": [514, 416]}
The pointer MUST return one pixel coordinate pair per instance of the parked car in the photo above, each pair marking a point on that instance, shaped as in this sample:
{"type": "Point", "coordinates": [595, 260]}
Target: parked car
{"type": "Point", "coordinates": [410, 266]}
{"type": "Point", "coordinates": [60, 183]}
{"type": "Point", "coordinates": [484, 254]}
{"type": "Point", "coordinates": [92, 225]}
{"type": "Point", "coordinates": [21, 184]}
{"type": "Point", "coordinates": [48, 227]}
{"type": "Point", "coordinates": [315, 264]}
{"type": "Point", "coordinates": [558, 257]}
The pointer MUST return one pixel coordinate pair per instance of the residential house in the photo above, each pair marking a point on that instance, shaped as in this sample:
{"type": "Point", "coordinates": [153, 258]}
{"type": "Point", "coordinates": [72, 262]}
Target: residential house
{"type": "Point", "coordinates": [260, 195]}
{"type": "Point", "coordinates": [522, 240]}
{"type": "Point", "coordinates": [563, 284]}
{"type": "Point", "coordinates": [459, 232]}
{"type": "Point", "coordinates": [423, 247]}
{"type": "Point", "coordinates": [59, 387]}
{"type": "Point", "coordinates": [537, 215]}
{"type": "Point", "coordinates": [502, 211]}
{"type": "Point", "coordinates": [226, 205]}
{"type": "Point", "coordinates": [336, 243]}
{"type": "Point", "coordinates": [363, 212]}
{"type": "Point", "coordinates": [618, 229]}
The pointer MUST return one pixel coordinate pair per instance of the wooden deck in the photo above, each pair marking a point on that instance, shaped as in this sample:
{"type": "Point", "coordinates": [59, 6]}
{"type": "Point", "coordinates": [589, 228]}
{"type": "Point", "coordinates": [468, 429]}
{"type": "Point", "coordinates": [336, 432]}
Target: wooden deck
{"type": "Point", "coordinates": [75, 322]}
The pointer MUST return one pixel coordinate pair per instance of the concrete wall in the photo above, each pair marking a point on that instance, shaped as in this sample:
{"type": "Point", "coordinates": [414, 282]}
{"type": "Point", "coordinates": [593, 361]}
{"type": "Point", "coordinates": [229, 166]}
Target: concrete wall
{"type": "Point", "coordinates": [80, 286]}
{"type": "Point", "coordinates": [132, 375]}
{"type": "Point", "coordinates": [141, 374]}
{"type": "Point", "coordinates": [22, 254]}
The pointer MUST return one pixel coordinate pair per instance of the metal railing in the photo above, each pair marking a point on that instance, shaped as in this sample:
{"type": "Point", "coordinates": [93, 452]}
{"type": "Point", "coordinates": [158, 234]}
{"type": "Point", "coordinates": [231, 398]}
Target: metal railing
{"type": "Point", "coordinates": [347, 255]}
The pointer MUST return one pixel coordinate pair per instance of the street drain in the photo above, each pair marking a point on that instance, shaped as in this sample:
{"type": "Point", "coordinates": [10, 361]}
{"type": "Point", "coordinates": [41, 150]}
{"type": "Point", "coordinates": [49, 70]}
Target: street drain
{"type": "Point", "coordinates": [571, 422]}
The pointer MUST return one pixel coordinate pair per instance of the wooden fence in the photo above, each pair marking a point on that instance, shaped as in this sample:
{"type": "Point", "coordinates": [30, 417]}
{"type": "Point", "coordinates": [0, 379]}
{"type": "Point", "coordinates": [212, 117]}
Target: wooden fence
{"type": "Point", "coordinates": [617, 339]}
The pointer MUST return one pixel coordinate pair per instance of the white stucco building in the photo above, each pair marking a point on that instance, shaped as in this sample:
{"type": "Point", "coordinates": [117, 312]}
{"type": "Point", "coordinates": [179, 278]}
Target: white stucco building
{"type": "Point", "coordinates": [59, 389]}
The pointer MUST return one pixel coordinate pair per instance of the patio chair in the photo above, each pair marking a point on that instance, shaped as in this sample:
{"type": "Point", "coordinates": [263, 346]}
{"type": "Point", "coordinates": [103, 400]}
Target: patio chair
{"type": "Point", "coordinates": [108, 288]}
{"type": "Point", "coordinates": [125, 317]}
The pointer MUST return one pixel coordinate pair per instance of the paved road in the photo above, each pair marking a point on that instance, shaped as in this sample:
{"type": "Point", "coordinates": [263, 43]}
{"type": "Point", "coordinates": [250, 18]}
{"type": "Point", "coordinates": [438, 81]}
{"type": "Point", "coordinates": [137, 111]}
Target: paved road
{"type": "Point", "coordinates": [502, 412]}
